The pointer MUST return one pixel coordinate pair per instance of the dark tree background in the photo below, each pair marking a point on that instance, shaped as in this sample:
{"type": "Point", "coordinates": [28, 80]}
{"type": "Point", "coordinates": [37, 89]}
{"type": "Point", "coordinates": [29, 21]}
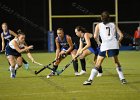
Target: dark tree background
{"type": "Point", "coordinates": [31, 16]}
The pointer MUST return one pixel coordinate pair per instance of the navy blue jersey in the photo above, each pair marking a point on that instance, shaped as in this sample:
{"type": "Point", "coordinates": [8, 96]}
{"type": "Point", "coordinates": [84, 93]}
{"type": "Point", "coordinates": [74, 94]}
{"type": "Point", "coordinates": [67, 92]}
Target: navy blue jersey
{"type": "Point", "coordinates": [94, 44]}
{"type": "Point", "coordinates": [63, 43]}
{"type": "Point", "coordinates": [7, 37]}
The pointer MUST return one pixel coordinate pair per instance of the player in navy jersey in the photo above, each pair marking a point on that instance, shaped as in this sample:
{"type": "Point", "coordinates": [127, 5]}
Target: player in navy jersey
{"type": "Point", "coordinates": [64, 46]}
{"type": "Point", "coordinates": [7, 35]}
{"type": "Point", "coordinates": [87, 46]}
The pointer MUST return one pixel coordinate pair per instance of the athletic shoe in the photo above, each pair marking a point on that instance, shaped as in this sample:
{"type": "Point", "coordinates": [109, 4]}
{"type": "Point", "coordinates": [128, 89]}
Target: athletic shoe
{"type": "Point", "coordinates": [13, 75]}
{"type": "Point", "coordinates": [76, 74]}
{"type": "Point", "coordinates": [26, 66]}
{"type": "Point", "coordinates": [99, 74]}
{"type": "Point", "coordinates": [82, 72]}
{"type": "Point", "coordinates": [123, 81]}
{"type": "Point", "coordinates": [88, 82]}
{"type": "Point", "coordinates": [51, 74]}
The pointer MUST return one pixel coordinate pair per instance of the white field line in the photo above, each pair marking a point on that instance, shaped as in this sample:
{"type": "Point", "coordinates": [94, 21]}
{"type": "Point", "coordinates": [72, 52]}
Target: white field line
{"type": "Point", "coordinates": [68, 92]}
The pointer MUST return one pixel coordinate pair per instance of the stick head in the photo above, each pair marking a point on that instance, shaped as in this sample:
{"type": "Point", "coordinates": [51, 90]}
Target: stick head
{"type": "Point", "coordinates": [58, 72]}
{"type": "Point", "coordinates": [35, 72]}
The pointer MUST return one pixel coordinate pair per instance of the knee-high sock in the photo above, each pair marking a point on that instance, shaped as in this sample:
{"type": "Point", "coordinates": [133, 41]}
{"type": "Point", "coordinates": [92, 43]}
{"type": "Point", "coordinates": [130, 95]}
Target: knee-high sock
{"type": "Point", "coordinates": [24, 61]}
{"type": "Point", "coordinates": [55, 67]}
{"type": "Point", "coordinates": [83, 64]}
{"type": "Point", "coordinates": [12, 69]}
{"type": "Point", "coordinates": [75, 65]}
{"type": "Point", "coordinates": [120, 73]}
{"type": "Point", "coordinates": [93, 73]}
{"type": "Point", "coordinates": [16, 66]}
{"type": "Point", "coordinates": [100, 69]}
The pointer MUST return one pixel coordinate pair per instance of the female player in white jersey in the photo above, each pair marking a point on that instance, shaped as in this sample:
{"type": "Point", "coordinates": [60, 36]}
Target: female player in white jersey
{"type": "Point", "coordinates": [13, 53]}
{"type": "Point", "coordinates": [7, 35]}
{"type": "Point", "coordinates": [109, 46]}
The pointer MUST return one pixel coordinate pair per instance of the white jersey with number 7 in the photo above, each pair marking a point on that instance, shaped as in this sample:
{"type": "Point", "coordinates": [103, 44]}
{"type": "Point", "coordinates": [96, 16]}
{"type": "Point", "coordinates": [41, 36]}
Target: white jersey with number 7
{"type": "Point", "coordinates": [108, 36]}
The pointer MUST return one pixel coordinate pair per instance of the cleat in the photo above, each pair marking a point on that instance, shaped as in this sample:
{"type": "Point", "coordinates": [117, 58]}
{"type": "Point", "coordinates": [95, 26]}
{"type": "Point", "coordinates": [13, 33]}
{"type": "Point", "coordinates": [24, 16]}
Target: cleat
{"type": "Point", "coordinates": [123, 81]}
{"type": "Point", "coordinates": [26, 66]}
{"type": "Point", "coordinates": [13, 76]}
{"type": "Point", "coordinates": [82, 72]}
{"type": "Point", "coordinates": [99, 74]}
{"type": "Point", "coordinates": [76, 74]}
{"type": "Point", "coordinates": [88, 82]}
{"type": "Point", "coordinates": [51, 74]}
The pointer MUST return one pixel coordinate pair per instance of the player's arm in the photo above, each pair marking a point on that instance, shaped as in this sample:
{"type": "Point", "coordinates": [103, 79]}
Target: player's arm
{"type": "Point", "coordinates": [96, 33]}
{"type": "Point", "coordinates": [13, 33]}
{"type": "Point", "coordinates": [3, 43]}
{"type": "Point", "coordinates": [26, 48]}
{"type": "Point", "coordinates": [28, 53]}
{"type": "Point", "coordinates": [69, 40]}
{"type": "Point", "coordinates": [120, 34]}
{"type": "Point", "coordinates": [57, 48]}
{"type": "Point", "coordinates": [80, 47]}
{"type": "Point", "coordinates": [30, 56]}
{"type": "Point", "coordinates": [87, 40]}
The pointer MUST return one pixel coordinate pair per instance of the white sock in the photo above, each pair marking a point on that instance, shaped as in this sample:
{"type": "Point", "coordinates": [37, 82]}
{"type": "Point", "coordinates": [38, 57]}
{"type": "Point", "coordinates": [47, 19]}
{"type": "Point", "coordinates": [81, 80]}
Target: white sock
{"type": "Point", "coordinates": [120, 73]}
{"type": "Point", "coordinates": [92, 74]}
{"type": "Point", "coordinates": [16, 66]}
{"type": "Point", "coordinates": [12, 70]}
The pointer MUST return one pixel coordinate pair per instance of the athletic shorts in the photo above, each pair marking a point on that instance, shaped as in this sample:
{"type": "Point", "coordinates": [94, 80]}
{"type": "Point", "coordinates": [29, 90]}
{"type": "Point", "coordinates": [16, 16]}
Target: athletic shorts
{"type": "Point", "coordinates": [65, 49]}
{"type": "Point", "coordinates": [95, 51]}
{"type": "Point", "coordinates": [10, 51]}
{"type": "Point", "coordinates": [109, 53]}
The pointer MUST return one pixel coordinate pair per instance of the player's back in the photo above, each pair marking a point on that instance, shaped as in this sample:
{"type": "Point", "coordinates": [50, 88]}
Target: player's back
{"type": "Point", "coordinates": [92, 40]}
{"type": "Point", "coordinates": [108, 36]}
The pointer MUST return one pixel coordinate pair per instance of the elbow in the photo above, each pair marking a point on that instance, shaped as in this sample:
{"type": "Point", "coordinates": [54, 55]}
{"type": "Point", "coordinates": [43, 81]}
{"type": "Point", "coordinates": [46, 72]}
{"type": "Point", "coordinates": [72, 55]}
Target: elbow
{"type": "Point", "coordinates": [95, 36]}
{"type": "Point", "coordinates": [122, 36]}
{"type": "Point", "coordinates": [88, 45]}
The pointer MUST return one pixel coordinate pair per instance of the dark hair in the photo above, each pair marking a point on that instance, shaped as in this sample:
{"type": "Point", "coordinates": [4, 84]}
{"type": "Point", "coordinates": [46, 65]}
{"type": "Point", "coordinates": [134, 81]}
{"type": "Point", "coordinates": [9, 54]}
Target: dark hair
{"type": "Point", "coordinates": [105, 17]}
{"type": "Point", "coordinates": [20, 32]}
{"type": "Point", "coordinates": [80, 28]}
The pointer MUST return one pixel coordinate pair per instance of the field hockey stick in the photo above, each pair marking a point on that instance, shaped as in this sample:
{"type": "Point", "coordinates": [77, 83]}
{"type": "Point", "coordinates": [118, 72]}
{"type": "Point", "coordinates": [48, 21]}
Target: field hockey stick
{"type": "Point", "coordinates": [65, 67]}
{"type": "Point", "coordinates": [38, 63]}
{"type": "Point", "coordinates": [47, 66]}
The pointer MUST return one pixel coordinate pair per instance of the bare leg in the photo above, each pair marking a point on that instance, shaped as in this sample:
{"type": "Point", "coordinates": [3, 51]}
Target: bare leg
{"type": "Point", "coordinates": [118, 67]}
{"type": "Point", "coordinates": [12, 62]}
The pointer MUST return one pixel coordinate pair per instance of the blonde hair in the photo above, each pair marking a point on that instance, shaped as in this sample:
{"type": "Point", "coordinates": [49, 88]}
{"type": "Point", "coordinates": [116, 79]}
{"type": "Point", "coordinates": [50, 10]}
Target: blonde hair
{"type": "Point", "coordinates": [4, 23]}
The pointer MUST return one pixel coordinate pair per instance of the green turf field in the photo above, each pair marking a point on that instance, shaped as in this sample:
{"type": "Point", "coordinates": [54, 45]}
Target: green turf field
{"type": "Point", "coordinates": [27, 86]}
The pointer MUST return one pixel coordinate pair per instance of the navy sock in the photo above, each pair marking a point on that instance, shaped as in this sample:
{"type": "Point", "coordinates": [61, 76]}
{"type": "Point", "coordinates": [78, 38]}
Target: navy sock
{"type": "Point", "coordinates": [83, 64]}
{"type": "Point", "coordinates": [100, 69]}
{"type": "Point", "coordinates": [24, 61]}
{"type": "Point", "coordinates": [75, 65]}
{"type": "Point", "coordinates": [55, 67]}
